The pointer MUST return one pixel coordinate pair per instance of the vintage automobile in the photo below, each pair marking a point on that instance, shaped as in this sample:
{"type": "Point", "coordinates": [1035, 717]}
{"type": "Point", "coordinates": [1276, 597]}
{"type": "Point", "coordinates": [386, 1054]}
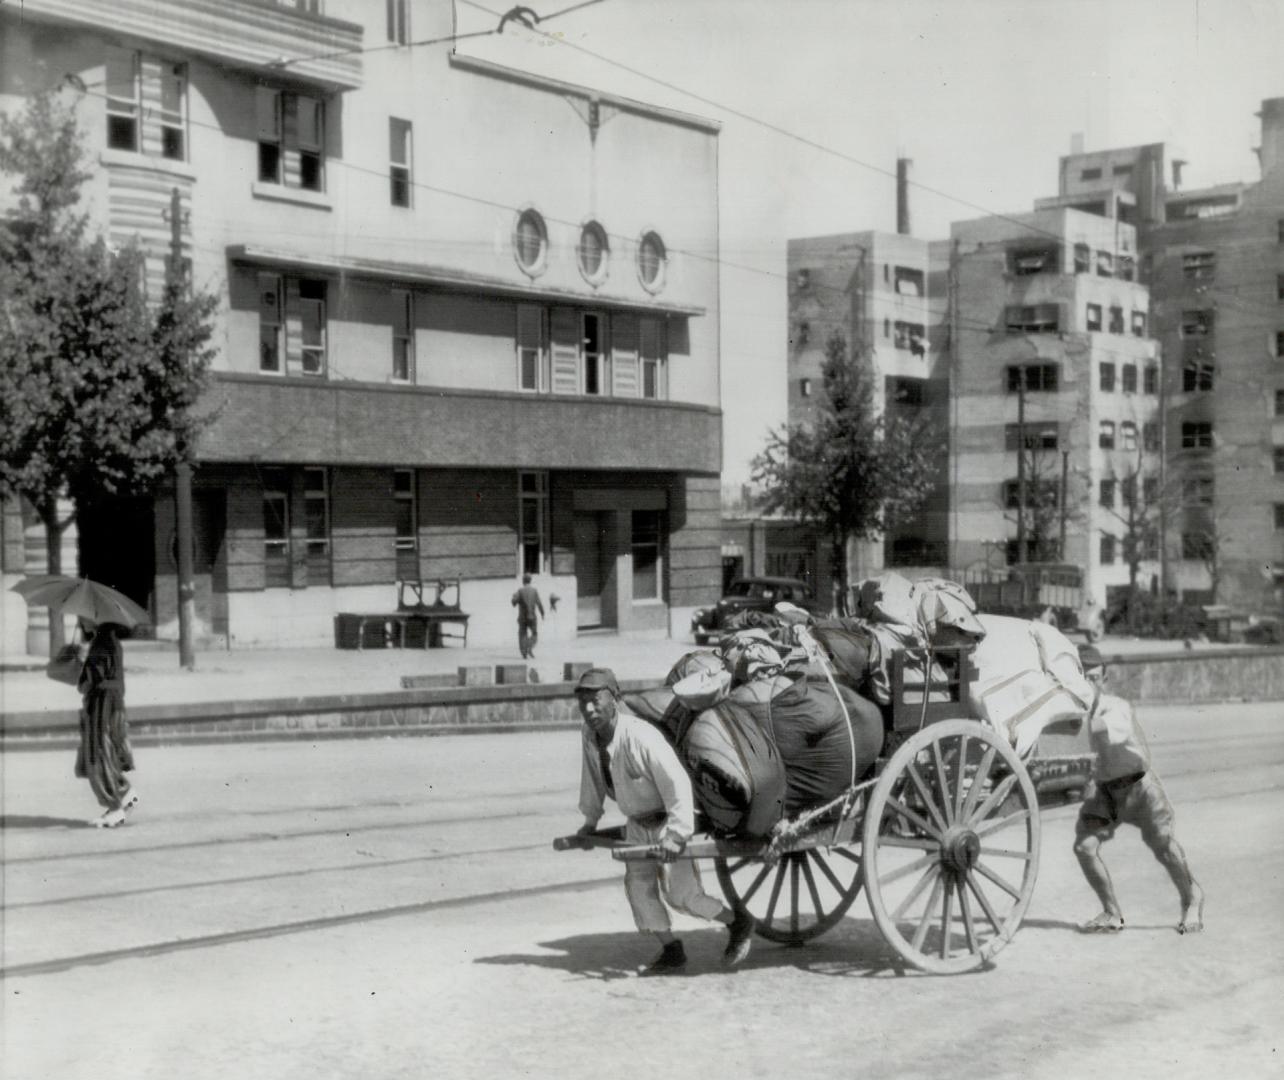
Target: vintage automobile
{"type": "Point", "coordinates": [751, 594]}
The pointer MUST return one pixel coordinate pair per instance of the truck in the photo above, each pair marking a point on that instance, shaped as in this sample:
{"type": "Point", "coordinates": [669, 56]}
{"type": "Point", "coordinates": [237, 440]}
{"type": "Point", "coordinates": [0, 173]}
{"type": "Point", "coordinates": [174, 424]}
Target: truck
{"type": "Point", "coordinates": [1053, 592]}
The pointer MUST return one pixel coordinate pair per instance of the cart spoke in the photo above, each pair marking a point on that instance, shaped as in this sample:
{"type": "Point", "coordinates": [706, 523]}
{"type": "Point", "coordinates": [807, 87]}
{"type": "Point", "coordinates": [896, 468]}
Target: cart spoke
{"type": "Point", "coordinates": [940, 780]}
{"type": "Point", "coordinates": [747, 895]}
{"type": "Point", "coordinates": [912, 771]}
{"type": "Point", "coordinates": [848, 855]}
{"type": "Point", "coordinates": [999, 823]}
{"type": "Point", "coordinates": [933, 874]}
{"type": "Point", "coordinates": [1001, 792]}
{"type": "Point", "coordinates": [824, 869]}
{"type": "Point", "coordinates": [985, 904]}
{"type": "Point", "coordinates": [978, 782]}
{"type": "Point", "coordinates": [775, 892]}
{"type": "Point", "coordinates": [981, 868]}
{"type": "Point", "coordinates": [817, 906]}
{"type": "Point", "coordinates": [965, 908]}
{"type": "Point", "coordinates": [909, 868]}
{"type": "Point", "coordinates": [928, 913]}
{"type": "Point", "coordinates": [913, 818]}
{"type": "Point", "coordinates": [947, 915]}
{"type": "Point", "coordinates": [958, 788]}
{"type": "Point", "coordinates": [739, 864]}
{"type": "Point", "coordinates": [793, 895]}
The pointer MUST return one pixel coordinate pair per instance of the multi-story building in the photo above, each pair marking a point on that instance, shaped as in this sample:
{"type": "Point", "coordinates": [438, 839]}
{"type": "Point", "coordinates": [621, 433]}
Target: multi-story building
{"type": "Point", "coordinates": [462, 333]}
{"type": "Point", "coordinates": [1214, 261]}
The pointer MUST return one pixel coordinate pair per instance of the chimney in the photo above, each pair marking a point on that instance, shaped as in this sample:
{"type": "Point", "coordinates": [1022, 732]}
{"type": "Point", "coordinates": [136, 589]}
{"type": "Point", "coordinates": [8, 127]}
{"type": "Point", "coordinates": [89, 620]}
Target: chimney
{"type": "Point", "coordinates": [1270, 154]}
{"type": "Point", "coordinates": [1076, 143]}
{"type": "Point", "coordinates": [1177, 164]}
{"type": "Point", "coordinates": [902, 196]}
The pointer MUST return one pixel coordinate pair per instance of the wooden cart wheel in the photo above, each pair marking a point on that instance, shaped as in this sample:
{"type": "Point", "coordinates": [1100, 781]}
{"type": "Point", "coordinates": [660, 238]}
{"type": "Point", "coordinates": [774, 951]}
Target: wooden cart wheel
{"type": "Point", "coordinates": [951, 846]}
{"type": "Point", "coordinates": [798, 898]}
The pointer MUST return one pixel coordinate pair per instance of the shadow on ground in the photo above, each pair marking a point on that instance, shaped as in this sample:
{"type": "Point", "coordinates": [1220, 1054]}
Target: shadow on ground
{"type": "Point", "coordinates": [36, 821]}
{"type": "Point", "coordinates": [852, 949]}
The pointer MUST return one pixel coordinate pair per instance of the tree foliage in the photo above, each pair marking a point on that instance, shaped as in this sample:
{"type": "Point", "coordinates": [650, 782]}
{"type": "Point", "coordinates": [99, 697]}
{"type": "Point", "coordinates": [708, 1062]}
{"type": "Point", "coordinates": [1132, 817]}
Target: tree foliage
{"type": "Point", "coordinates": [96, 386]}
{"type": "Point", "coordinates": [853, 472]}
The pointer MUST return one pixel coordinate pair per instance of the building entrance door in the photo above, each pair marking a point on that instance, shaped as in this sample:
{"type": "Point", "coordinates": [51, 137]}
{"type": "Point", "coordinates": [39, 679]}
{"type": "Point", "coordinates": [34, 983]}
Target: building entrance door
{"type": "Point", "coordinates": [593, 558]}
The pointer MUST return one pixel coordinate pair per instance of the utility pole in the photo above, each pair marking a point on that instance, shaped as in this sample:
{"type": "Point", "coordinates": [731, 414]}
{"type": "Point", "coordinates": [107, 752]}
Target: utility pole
{"type": "Point", "coordinates": [183, 470]}
{"type": "Point", "coordinates": [1065, 479]}
{"type": "Point", "coordinates": [1021, 552]}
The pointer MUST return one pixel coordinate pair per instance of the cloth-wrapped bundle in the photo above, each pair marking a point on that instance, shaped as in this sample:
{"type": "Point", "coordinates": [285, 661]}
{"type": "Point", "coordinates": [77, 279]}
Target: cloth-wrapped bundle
{"type": "Point", "coordinates": [737, 772]}
{"type": "Point", "coordinates": [806, 719]}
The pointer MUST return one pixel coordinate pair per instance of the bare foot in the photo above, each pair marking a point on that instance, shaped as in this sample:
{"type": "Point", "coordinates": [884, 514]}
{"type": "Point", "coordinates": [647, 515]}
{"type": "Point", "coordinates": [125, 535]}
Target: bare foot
{"type": "Point", "coordinates": [1195, 925]}
{"type": "Point", "coordinates": [1108, 922]}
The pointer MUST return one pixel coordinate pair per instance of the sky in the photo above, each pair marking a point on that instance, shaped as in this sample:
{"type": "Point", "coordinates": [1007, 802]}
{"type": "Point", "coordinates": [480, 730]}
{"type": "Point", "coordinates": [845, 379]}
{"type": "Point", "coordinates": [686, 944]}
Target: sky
{"type": "Point", "coordinates": [818, 98]}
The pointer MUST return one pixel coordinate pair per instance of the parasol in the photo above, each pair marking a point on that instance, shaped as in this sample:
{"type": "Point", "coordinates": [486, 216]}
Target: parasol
{"type": "Point", "coordinates": [80, 596]}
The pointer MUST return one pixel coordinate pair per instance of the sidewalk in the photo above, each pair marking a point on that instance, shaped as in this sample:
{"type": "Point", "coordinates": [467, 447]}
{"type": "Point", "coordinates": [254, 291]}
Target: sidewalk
{"type": "Point", "coordinates": [153, 676]}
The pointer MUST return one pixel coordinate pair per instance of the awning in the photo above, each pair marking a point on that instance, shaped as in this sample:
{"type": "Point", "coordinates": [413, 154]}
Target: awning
{"type": "Point", "coordinates": [447, 278]}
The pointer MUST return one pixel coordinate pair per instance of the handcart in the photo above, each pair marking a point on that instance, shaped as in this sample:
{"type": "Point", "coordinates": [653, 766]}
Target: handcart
{"type": "Point", "coordinates": [943, 835]}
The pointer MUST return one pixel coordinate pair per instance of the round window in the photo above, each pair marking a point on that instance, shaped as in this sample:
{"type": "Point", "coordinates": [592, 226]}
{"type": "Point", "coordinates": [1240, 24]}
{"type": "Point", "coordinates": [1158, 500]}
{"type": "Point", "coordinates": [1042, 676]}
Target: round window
{"type": "Point", "coordinates": [593, 251]}
{"type": "Point", "coordinates": [651, 261]}
{"type": "Point", "coordinates": [530, 241]}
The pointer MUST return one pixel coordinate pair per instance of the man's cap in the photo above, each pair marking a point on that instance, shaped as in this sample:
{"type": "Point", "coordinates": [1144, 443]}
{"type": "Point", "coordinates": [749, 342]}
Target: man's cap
{"type": "Point", "coordinates": [1090, 657]}
{"type": "Point", "coordinates": [598, 678]}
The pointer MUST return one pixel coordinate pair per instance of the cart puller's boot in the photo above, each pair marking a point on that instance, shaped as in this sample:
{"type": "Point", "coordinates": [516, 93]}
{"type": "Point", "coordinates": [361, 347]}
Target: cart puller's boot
{"type": "Point", "coordinates": [740, 938]}
{"type": "Point", "coordinates": [672, 959]}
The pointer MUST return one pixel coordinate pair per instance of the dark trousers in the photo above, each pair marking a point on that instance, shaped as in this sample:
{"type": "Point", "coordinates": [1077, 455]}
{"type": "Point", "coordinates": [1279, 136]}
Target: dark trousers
{"type": "Point", "coordinates": [527, 636]}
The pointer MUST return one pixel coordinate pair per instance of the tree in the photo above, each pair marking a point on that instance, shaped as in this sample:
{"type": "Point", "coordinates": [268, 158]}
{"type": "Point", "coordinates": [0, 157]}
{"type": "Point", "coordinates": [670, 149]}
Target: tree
{"type": "Point", "coordinates": [853, 472]}
{"type": "Point", "coordinates": [96, 387]}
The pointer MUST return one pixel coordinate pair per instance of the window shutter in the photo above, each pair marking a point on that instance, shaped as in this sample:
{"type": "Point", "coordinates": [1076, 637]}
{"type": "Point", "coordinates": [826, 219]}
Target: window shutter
{"type": "Point", "coordinates": [624, 355]}
{"type": "Point", "coordinates": [566, 351]}
{"type": "Point", "coordinates": [151, 87]}
{"type": "Point", "coordinates": [290, 140]}
{"type": "Point", "coordinates": [293, 327]}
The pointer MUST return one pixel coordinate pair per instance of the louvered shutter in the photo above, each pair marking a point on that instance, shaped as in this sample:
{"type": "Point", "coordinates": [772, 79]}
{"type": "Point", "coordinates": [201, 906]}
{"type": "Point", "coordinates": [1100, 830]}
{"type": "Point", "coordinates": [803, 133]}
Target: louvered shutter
{"type": "Point", "coordinates": [290, 140]}
{"type": "Point", "coordinates": [566, 351]}
{"type": "Point", "coordinates": [293, 327]}
{"type": "Point", "coordinates": [624, 355]}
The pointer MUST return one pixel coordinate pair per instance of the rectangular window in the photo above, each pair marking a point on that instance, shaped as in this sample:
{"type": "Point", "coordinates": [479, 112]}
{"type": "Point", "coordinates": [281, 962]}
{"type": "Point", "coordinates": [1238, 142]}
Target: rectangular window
{"type": "Point", "coordinates": [1279, 342]}
{"type": "Point", "coordinates": [593, 353]}
{"type": "Point", "coordinates": [1196, 377]}
{"type": "Point", "coordinates": [1093, 317]}
{"type": "Point", "coordinates": [1035, 260]}
{"type": "Point", "coordinates": [1150, 544]}
{"type": "Point", "coordinates": [1130, 378]}
{"type": "Point", "coordinates": [1039, 494]}
{"type": "Point", "coordinates": [405, 510]}
{"type": "Point", "coordinates": [1197, 491]}
{"type": "Point", "coordinates": [1044, 435]}
{"type": "Point", "coordinates": [268, 111]}
{"type": "Point", "coordinates": [399, 151]}
{"type": "Point", "coordinates": [654, 368]}
{"type": "Point", "coordinates": [1116, 320]}
{"type": "Point", "coordinates": [1278, 452]}
{"type": "Point", "coordinates": [1127, 268]}
{"type": "Point", "coordinates": [1150, 435]}
{"type": "Point", "coordinates": [1138, 323]}
{"type": "Point", "coordinates": [1090, 174]}
{"type": "Point", "coordinates": [1106, 375]}
{"type": "Point", "coordinates": [1196, 323]}
{"type": "Point", "coordinates": [904, 392]}
{"type": "Point", "coordinates": [1082, 258]}
{"type": "Point", "coordinates": [911, 336]}
{"type": "Point", "coordinates": [1199, 265]}
{"type": "Point", "coordinates": [276, 527]}
{"type": "Point", "coordinates": [909, 282]}
{"type": "Point", "coordinates": [887, 328]}
{"type": "Point", "coordinates": [173, 111]}
{"type": "Point", "coordinates": [1279, 507]}
{"type": "Point", "coordinates": [1035, 376]}
{"type": "Point", "coordinates": [403, 335]}
{"type": "Point", "coordinates": [1128, 435]}
{"type": "Point", "coordinates": [1150, 379]}
{"type": "Point", "coordinates": [532, 498]}
{"type": "Point", "coordinates": [1279, 402]}
{"type": "Point", "coordinates": [123, 99]}
{"type": "Point", "coordinates": [1106, 494]}
{"type": "Point", "coordinates": [311, 139]}
{"type": "Point", "coordinates": [1105, 264]}
{"type": "Point", "coordinates": [531, 348]}
{"type": "Point", "coordinates": [316, 515]}
{"type": "Point", "coordinates": [1122, 170]}
{"type": "Point", "coordinates": [1128, 490]}
{"type": "Point", "coordinates": [804, 387]}
{"type": "Point", "coordinates": [1106, 435]}
{"type": "Point", "coordinates": [1032, 319]}
{"type": "Point", "coordinates": [1280, 227]}
{"type": "Point", "coordinates": [398, 21]}
{"type": "Point", "coordinates": [1195, 545]}
{"type": "Point", "coordinates": [312, 323]}
{"type": "Point", "coordinates": [1107, 549]}
{"type": "Point", "coordinates": [271, 324]}
{"type": "Point", "coordinates": [1196, 436]}
{"type": "Point", "coordinates": [646, 554]}
{"type": "Point", "coordinates": [1150, 490]}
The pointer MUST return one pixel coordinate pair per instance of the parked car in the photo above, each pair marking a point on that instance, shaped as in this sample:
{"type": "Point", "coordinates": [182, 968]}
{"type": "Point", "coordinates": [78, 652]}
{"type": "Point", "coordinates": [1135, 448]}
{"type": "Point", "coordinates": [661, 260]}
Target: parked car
{"type": "Point", "coordinates": [751, 594]}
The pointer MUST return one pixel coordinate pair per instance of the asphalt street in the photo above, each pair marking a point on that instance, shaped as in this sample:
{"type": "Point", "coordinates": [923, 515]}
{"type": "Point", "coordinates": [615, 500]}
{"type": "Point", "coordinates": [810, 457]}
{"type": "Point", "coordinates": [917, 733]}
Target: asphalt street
{"type": "Point", "coordinates": [393, 908]}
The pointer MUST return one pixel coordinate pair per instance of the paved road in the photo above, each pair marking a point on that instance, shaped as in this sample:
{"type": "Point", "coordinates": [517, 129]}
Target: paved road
{"type": "Point", "coordinates": [391, 908]}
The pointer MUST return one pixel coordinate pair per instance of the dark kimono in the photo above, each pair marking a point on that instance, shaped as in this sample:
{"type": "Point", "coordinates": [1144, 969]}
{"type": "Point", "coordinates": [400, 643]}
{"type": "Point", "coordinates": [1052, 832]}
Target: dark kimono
{"type": "Point", "coordinates": [104, 755]}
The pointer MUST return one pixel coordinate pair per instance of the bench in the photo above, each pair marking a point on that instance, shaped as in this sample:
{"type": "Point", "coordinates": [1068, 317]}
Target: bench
{"type": "Point", "coordinates": [415, 624]}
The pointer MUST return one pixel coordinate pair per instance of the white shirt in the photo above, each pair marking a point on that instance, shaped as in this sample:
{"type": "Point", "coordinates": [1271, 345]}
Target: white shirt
{"type": "Point", "coordinates": [645, 771]}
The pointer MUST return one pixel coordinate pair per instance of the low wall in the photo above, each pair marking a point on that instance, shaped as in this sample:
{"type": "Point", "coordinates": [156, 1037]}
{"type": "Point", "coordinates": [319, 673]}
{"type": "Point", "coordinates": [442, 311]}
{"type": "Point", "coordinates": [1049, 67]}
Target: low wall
{"type": "Point", "coordinates": [1250, 674]}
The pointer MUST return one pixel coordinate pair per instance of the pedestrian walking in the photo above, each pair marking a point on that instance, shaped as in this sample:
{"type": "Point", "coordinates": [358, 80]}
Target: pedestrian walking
{"type": "Point", "coordinates": [530, 609]}
{"type": "Point", "coordinates": [629, 760]}
{"type": "Point", "coordinates": [1126, 789]}
{"type": "Point", "coordinates": [104, 755]}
